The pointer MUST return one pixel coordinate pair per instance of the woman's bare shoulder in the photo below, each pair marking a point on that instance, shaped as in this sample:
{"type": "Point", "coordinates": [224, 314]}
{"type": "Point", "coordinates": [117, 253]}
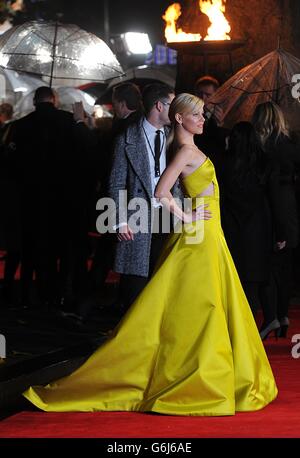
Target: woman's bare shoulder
{"type": "Point", "coordinates": [193, 154]}
{"type": "Point", "coordinates": [187, 150]}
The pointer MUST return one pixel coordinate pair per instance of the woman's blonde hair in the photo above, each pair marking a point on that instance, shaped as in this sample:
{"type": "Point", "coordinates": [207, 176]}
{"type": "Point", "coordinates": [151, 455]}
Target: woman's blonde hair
{"type": "Point", "coordinates": [268, 120]}
{"type": "Point", "coordinates": [182, 103]}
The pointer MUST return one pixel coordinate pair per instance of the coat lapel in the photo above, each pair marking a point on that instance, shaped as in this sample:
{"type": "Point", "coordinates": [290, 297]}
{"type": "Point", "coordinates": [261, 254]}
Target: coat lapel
{"type": "Point", "coordinates": [167, 131]}
{"type": "Point", "coordinates": [137, 154]}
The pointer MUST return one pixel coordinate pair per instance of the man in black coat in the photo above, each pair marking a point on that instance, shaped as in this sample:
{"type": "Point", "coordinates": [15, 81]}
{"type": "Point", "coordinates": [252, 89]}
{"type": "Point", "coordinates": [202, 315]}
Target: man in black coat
{"type": "Point", "coordinates": [52, 169]}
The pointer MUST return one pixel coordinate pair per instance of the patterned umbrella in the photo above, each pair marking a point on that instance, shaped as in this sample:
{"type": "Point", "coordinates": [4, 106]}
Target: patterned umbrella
{"type": "Point", "coordinates": [269, 78]}
{"type": "Point", "coordinates": [58, 51]}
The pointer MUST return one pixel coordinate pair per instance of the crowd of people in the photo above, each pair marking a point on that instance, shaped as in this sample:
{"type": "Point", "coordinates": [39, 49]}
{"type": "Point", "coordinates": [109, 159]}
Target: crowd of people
{"type": "Point", "coordinates": [55, 166]}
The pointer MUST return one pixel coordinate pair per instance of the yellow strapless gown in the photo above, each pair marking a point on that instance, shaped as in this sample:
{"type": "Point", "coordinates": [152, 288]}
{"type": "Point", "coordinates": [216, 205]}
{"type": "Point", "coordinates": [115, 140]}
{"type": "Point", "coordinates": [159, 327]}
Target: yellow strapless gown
{"type": "Point", "coordinates": [187, 346]}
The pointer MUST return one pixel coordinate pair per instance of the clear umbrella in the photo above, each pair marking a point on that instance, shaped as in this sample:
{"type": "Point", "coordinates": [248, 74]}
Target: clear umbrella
{"type": "Point", "coordinates": [14, 85]}
{"type": "Point", "coordinates": [144, 73]}
{"type": "Point", "coordinates": [67, 96]}
{"type": "Point", "coordinates": [58, 51]}
{"type": "Point", "coordinates": [141, 76]}
{"type": "Point", "coordinates": [269, 78]}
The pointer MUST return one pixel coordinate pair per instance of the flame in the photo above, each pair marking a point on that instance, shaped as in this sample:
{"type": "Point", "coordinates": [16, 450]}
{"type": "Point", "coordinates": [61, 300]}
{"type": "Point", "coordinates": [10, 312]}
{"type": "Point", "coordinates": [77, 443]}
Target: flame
{"type": "Point", "coordinates": [214, 9]}
{"type": "Point", "coordinates": [171, 33]}
{"type": "Point", "coordinates": [220, 27]}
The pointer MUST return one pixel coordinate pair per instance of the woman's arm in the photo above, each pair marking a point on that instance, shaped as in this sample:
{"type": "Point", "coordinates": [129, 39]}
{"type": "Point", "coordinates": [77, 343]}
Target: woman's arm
{"type": "Point", "coordinates": [166, 183]}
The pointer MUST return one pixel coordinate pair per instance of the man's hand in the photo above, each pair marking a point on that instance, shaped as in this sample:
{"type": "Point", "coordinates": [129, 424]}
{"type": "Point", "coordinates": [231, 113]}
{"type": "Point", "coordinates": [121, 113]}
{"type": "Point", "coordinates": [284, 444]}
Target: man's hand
{"type": "Point", "coordinates": [281, 245]}
{"type": "Point", "coordinates": [125, 233]}
{"type": "Point", "coordinates": [78, 112]}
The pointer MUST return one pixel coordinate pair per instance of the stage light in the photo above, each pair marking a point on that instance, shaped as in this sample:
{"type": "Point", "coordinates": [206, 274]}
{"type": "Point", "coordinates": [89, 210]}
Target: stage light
{"type": "Point", "coordinates": [137, 43]}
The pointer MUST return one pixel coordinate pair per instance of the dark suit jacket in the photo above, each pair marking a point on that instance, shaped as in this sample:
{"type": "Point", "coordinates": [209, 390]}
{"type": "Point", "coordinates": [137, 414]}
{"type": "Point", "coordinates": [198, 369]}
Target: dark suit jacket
{"type": "Point", "coordinates": [283, 161]}
{"type": "Point", "coordinates": [246, 221]}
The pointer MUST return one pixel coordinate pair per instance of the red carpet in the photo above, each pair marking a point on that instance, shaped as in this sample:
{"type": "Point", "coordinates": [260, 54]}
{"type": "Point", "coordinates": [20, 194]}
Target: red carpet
{"type": "Point", "coordinates": [280, 419]}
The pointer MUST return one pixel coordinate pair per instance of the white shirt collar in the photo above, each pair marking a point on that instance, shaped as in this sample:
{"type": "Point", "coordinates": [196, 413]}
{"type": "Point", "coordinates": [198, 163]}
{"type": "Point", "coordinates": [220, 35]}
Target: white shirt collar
{"type": "Point", "coordinates": [150, 129]}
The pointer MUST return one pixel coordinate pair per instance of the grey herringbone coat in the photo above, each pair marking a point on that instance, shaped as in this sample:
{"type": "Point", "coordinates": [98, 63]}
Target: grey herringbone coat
{"type": "Point", "coordinates": [131, 172]}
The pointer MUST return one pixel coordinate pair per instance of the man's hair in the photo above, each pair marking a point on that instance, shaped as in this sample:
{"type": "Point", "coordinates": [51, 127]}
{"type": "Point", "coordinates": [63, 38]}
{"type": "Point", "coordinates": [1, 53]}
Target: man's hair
{"type": "Point", "coordinates": [7, 110]}
{"type": "Point", "coordinates": [154, 92]}
{"type": "Point", "coordinates": [43, 94]}
{"type": "Point", "coordinates": [207, 80]}
{"type": "Point", "coordinates": [129, 93]}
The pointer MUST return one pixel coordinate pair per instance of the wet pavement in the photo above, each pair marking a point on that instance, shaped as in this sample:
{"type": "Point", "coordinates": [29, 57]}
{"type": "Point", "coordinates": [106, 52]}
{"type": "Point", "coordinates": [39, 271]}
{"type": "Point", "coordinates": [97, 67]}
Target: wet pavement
{"type": "Point", "coordinates": [47, 343]}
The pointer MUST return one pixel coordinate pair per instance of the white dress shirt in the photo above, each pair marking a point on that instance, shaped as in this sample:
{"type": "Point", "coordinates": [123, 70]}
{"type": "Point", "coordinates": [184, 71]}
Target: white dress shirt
{"type": "Point", "coordinates": [149, 132]}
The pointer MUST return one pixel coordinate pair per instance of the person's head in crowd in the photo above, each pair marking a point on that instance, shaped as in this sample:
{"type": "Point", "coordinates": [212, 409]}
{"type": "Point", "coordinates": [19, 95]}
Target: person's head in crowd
{"type": "Point", "coordinates": [205, 87]}
{"type": "Point", "coordinates": [269, 122]}
{"type": "Point", "coordinates": [6, 112]}
{"type": "Point", "coordinates": [186, 116]}
{"type": "Point", "coordinates": [44, 94]}
{"type": "Point", "coordinates": [126, 99]}
{"type": "Point", "coordinates": [157, 98]}
{"type": "Point", "coordinates": [103, 125]}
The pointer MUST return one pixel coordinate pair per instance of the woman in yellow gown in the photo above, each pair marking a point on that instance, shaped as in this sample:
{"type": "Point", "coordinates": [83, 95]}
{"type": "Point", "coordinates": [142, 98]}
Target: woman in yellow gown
{"type": "Point", "coordinates": [189, 344]}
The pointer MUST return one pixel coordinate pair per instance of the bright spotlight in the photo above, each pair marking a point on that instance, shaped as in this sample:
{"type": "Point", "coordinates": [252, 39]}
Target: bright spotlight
{"type": "Point", "coordinates": [137, 43]}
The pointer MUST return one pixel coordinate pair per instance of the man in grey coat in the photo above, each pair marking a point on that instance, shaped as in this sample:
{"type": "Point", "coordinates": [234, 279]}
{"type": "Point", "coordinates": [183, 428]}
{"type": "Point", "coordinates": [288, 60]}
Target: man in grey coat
{"type": "Point", "coordinates": [139, 160]}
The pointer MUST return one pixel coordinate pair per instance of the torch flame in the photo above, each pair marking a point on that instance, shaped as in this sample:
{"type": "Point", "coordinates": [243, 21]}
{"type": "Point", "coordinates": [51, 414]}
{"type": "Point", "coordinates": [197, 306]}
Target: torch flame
{"type": "Point", "coordinates": [214, 9]}
{"type": "Point", "coordinates": [220, 27]}
{"type": "Point", "coordinates": [173, 34]}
